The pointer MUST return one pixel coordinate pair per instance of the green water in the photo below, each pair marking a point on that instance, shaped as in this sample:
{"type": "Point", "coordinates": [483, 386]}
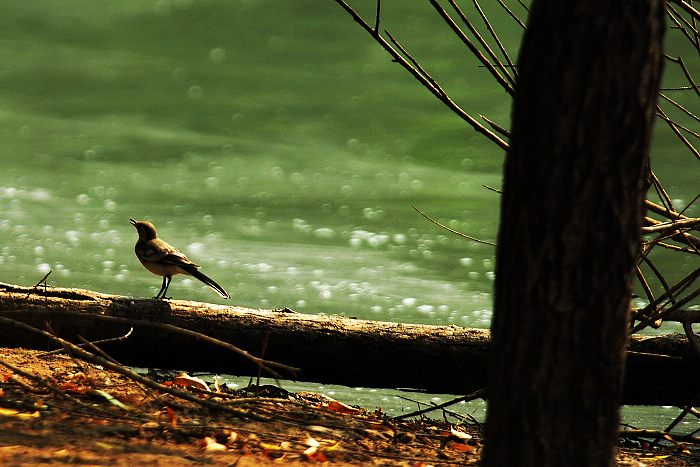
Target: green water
{"type": "Point", "coordinates": [271, 141]}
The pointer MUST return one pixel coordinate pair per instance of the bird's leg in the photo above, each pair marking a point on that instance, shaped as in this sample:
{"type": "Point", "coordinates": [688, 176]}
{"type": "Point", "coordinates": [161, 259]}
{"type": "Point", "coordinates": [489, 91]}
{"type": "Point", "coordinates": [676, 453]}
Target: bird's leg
{"type": "Point", "coordinates": [166, 287]}
{"type": "Point", "coordinates": [163, 288]}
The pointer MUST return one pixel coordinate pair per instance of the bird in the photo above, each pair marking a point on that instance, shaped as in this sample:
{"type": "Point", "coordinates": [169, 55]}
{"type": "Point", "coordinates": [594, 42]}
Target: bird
{"type": "Point", "coordinates": [162, 259]}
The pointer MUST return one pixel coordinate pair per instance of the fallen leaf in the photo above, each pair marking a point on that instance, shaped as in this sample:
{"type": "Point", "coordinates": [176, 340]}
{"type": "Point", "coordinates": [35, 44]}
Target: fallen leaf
{"type": "Point", "coordinates": [185, 380]}
{"type": "Point", "coordinates": [334, 447]}
{"type": "Point", "coordinates": [72, 387]}
{"type": "Point", "coordinates": [104, 446]}
{"type": "Point", "coordinates": [654, 458]}
{"type": "Point", "coordinates": [215, 447]}
{"type": "Point", "coordinates": [172, 416]}
{"type": "Point", "coordinates": [270, 447]}
{"type": "Point", "coordinates": [111, 399]}
{"type": "Point", "coordinates": [17, 414]}
{"type": "Point", "coordinates": [232, 437]}
{"type": "Point", "coordinates": [211, 445]}
{"type": "Point", "coordinates": [310, 451]}
{"type": "Point", "coordinates": [459, 434]}
{"type": "Point", "coordinates": [286, 445]}
{"type": "Point", "coordinates": [149, 429]}
{"type": "Point", "coordinates": [461, 447]}
{"type": "Point", "coordinates": [314, 455]}
{"type": "Point", "coordinates": [318, 428]}
{"type": "Point", "coordinates": [384, 434]}
{"type": "Point", "coordinates": [312, 442]}
{"type": "Point", "coordinates": [339, 407]}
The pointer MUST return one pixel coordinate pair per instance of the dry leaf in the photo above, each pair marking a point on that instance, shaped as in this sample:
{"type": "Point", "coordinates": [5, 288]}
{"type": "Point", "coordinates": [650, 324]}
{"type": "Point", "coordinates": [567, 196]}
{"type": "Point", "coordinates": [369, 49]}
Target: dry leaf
{"type": "Point", "coordinates": [312, 454]}
{"type": "Point", "coordinates": [271, 447]}
{"type": "Point", "coordinates": [211, 445]}
{"type": "Point", "coordinates": [21, 415]}
{"type": "Point", "coordinates": [232, 437]}
{"type": "Point", "coordinates": [312, 442]}
{"type": "Point", "coordinates": [172, 416]}
{"type": "Point", "coordinates": [183, 379]}
{"type": "Point", "coordinates": [460, 434]}
{"type": "Point", "coordinates": [339, 407]}
{"type": "Point", "coordinates": [461, 447]}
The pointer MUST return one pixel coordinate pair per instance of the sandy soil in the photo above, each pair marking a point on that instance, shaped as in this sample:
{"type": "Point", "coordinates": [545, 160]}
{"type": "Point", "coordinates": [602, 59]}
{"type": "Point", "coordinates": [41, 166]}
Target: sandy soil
{"type": "Point", "coordinates": [72, 412]}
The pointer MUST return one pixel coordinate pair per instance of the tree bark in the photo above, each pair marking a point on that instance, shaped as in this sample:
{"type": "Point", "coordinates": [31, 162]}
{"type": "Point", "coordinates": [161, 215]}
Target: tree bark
{"type": "Point", "coordinates": [327, 349]}
{"type": "Point", "coordinates": [569, 236]}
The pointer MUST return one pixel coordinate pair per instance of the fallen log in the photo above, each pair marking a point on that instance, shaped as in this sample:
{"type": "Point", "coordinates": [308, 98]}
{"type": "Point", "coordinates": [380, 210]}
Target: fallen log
{"type": "Point", "coordinates": [327, 349]}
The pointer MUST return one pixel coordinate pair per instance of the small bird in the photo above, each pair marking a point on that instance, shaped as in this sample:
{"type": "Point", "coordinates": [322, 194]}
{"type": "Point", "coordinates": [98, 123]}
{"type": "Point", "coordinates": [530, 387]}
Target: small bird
{"type": "Point", "coordinates": [162, 259]}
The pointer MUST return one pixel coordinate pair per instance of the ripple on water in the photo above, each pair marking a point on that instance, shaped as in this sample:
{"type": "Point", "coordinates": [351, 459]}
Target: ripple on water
{"type": "Point", "coordinates": [324, 233]}
{"type": "Point", "coordinates": [217, 55]}
{"type": "Point", "coordinates": [195, 92]}
{"type": "Point", "coordinates": [259, 267]}
{"type": "Point", "coordinates": [325, 294]}
{"type": "Point", "coordinates": [73, 237]}
{"type": "Point", "coordinates": [195, 248]}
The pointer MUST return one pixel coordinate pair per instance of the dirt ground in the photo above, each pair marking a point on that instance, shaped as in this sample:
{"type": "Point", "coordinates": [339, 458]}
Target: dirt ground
{"type": "Point", "coordinates": [58, 410]}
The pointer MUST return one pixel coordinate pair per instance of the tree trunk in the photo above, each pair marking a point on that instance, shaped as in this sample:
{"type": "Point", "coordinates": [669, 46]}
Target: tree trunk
{"type": "Point", "coordinates": [570, 230]}
{"type": "Point", "coordinates": [327, 349]}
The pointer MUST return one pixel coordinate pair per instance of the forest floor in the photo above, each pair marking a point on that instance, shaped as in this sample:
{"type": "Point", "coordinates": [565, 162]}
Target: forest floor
{"type": "Point", "coordinates": [58, 410]}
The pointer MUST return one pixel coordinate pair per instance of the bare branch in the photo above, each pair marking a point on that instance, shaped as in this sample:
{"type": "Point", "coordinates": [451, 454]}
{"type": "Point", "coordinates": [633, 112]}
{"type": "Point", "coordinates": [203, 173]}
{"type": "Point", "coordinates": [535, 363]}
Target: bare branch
{"type": "Point", "coordinates": [695, 14]}
{"type": "Point", "coordinates": [436, 91]}
{"type": "Point", "coordinates": [511, 14]}
{"type": "Point", "coordinates": [452, 230]}
{"type": "Point", "coordinates": [495, 36]}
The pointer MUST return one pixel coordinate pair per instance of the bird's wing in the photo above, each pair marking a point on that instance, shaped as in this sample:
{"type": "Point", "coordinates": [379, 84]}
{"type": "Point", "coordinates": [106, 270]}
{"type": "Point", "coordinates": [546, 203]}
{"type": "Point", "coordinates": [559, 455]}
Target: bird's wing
{"type": "Point", "coordinates": [159, 251]}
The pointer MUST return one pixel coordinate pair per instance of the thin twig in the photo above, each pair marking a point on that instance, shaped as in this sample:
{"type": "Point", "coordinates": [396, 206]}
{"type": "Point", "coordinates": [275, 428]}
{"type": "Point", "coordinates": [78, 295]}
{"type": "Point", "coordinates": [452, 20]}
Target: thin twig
{"type": "Point", "coordinates": [41, 282]}
{"type": "Point", "coordinates": [677, 18]}
{"type": "Point", "coordinates": [495, 126]}
{"type": "Point", "coordinates": [97, 350]}
{"type": "Point", "coordinates": [511, 14]}
{"type": "Point", "coordinates": [688, 8]}
{"type": "Point", "coordinates": [661, 314]}
{"type": "Point", "coordinates": [645, 286]}
{"type": "Point", "coordinates": [478, 394]}
{"type": "Point", "coordinates": [452, 230]}
{"type": "Point", "coordinates": [671, 226]}
{"type": "Point", "coordinates": [495, 37]}
{"type": "Point", "coordinates": [484, 44]}
{"type": "Point", "coordinates": [679, 61]}
{"type": "Point", "coordinates": [101, 341]}
{"type": "Point", "coordinates": [377, 16]}
{"type": "Point", "coordinates": [676, 104]}
{"type": "Point", "coordinates": [492, 189]}
{"type": "Point", "coordinates": [690, 203]}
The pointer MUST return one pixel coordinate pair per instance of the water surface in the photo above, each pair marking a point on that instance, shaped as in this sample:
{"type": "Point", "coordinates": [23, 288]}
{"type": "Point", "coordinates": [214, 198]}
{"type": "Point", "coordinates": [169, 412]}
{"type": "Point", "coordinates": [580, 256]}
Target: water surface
{"type": "Point", "coordinates": [272, 142]}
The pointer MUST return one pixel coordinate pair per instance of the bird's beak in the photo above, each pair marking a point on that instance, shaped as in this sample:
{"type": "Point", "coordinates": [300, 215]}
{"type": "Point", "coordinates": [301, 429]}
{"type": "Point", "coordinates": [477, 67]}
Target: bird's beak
{"type": "Point", "coordinates": [132, 222]}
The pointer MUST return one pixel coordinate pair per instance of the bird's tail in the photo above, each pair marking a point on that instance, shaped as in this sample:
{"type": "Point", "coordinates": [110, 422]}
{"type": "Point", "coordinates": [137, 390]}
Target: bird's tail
{"type": "Point", "coordinates": [209, 281]}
